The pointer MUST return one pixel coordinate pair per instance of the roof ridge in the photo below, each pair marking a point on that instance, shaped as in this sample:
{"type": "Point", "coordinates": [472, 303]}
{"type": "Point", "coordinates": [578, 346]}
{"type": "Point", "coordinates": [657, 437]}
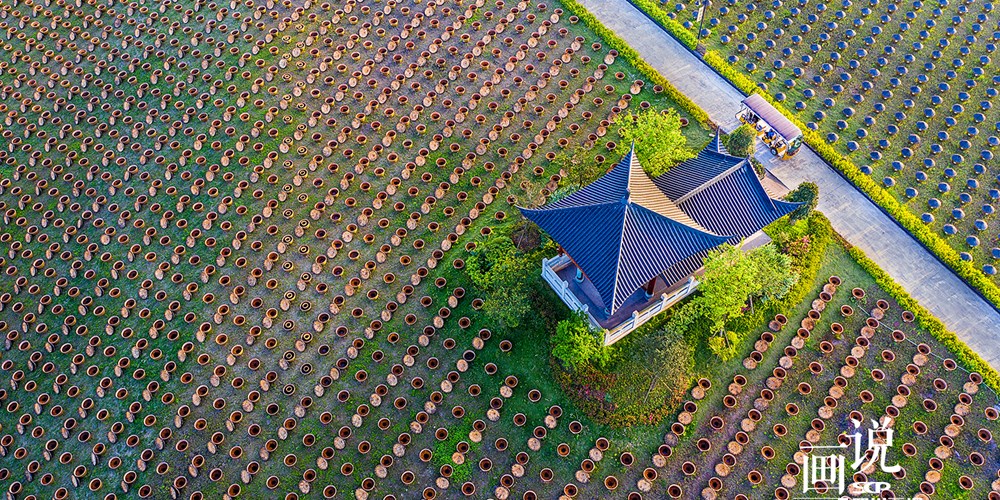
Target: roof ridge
{"type": "Point", "coordinates": [631, 164]}
{"type": "Point", "coordinates": [761, 190]}
{"type": "Point", "coordinates": [627, 221]}
{"type": "Point", "coordinates": [686, 227]}
{"type": "Point", "coordinates": [618, 260]}
{"type": "Point", "coordinates": [726, 173]}
{"type": "Point", "coordinates": [643, 192]}
{"type": "Point", "coordinates": [717, 142]}
{"type": "Point", "coordinates": [725, 154]}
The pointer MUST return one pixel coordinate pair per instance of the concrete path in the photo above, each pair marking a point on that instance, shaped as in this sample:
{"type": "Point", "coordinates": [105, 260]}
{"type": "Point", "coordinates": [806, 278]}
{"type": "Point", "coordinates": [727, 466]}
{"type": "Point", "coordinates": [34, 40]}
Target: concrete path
{"type": "Point", "coordinates": [862, 223]}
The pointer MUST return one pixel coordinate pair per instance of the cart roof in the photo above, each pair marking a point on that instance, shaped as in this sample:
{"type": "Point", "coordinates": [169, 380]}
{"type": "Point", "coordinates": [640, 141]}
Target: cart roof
{"type": "Point", "coordinates": [772, 116]}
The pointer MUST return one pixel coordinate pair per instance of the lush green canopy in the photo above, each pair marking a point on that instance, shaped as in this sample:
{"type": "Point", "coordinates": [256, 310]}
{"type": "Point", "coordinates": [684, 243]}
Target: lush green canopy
{"type": "Point", "coordinates": [576, 344]}
{"type": "Point", "coordinates": [504, 275]}
{"type": "Point", "coordinates": [658, 139]}
{"type": "Point", "coordinates": [733, 279]}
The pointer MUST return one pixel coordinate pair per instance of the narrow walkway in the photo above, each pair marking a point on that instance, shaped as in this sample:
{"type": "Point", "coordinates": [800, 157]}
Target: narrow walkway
{"type": "Point", "coordinates": [856, 218]}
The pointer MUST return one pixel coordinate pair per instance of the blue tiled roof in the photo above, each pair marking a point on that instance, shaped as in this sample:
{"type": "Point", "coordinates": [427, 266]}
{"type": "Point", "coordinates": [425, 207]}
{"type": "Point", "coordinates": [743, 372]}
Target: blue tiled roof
{"type": "Point", "coordinates": [618, 243]}
{"type": "Point", "coordinates": [695, 173]}
{"type": "Point", "coordinates": [622, 230]}
{"type": "Point", "coordinates": [717, 145]}
{"type": "Point", "coordinates": [735, 204]}
{"type": "Point", "coordinates": [610, 187]}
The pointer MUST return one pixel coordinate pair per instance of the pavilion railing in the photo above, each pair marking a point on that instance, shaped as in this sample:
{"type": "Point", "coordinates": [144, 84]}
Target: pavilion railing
{"type": "Point", "coordinates": [639, 318]}
{"type": "Point", "coordinates": [550, 269]}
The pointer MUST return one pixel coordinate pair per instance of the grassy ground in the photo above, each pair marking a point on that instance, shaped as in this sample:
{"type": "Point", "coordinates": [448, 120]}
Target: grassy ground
{"type": "Point", "coordinates": [258, 292]}
{"type": "Point", "coordinates": [242, 279]}
{"type": "Point", "coordinates": [836, 262]}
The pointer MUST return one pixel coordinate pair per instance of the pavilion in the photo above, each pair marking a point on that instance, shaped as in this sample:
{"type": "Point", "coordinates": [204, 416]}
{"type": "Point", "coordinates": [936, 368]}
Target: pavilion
{"type": "Point", "coordinates": [631, 246]}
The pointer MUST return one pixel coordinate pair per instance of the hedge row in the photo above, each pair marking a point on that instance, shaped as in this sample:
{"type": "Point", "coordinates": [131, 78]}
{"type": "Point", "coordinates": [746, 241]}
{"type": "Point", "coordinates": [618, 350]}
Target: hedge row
{"type": "Point", "coordinates": [963, 353]}
{"type": "Point", "coordinates": [910, 221]}
{"type": "Point", "coordinates": [630, 55]}
{"type": "Point", "coordinates": [675, 28]}
{"type": "Point", "coordinates": [907, 219]}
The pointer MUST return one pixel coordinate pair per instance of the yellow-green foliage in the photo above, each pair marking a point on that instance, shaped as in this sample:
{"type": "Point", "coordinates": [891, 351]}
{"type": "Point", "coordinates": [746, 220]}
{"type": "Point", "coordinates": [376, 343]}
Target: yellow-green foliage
{"type": "Point", "coordinates": [675, 28]}
{"type": "Point", "coordinates": [658, 139]}
{"type": "Point", "coordinates": [576, 344]}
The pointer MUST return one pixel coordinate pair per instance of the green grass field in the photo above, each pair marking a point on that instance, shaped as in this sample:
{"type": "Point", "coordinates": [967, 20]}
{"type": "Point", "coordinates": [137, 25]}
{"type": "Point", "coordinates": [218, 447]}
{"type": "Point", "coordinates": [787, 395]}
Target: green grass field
{"type": "Point", "coordinates": [233, 245]}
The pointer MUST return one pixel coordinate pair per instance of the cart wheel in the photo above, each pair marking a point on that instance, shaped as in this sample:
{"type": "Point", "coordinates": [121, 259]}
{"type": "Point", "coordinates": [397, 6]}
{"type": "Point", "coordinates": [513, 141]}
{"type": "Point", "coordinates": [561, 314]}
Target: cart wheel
{"type": "Point", "coordinates": [774, 151]}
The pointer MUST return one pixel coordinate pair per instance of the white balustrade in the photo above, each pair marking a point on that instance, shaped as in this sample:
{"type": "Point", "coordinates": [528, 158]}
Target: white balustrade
{"type": "Point", "coordinates": [550, 268]}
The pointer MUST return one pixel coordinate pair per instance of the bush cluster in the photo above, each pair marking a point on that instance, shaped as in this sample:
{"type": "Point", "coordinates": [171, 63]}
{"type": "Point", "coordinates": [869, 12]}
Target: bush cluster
{"type": "Point", "coordinates": [820, 234]}
{"type": "Point", "coordinates": [675, 28]}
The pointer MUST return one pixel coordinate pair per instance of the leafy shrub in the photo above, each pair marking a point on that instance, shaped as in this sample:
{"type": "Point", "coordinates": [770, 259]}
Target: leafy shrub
{"type": "Point", "coordinates": [784, 235]}
{"type": "Point", "coordinates": [648, 375]}
{"type": "Point", "coordinates": [758, 167]}
{"type": "Point", "coordinates": [526, 235]}
{"type": "Point", "coordinates": [733, 278]}
{"type": "Point", "coordinates": [741, 142]}
{"type": "Point", "coordinates": [576, 344]}
{"type": "Point", "coordinates": [725, 346]}
{"type": "Point", "coordinates": [669, 359]}
{"type": "Point", "coordinates": [806, 193]}
{"type": "Point", "coordinates": [504, 274]}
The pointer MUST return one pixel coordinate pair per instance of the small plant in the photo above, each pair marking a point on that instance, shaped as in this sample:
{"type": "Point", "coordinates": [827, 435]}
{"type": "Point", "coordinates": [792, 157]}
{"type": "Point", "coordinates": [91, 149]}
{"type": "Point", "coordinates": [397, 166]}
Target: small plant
{"type": "Point", "coordinates": [758, 167]}
{"type": "Point", "coordinates": [576, 344]}
{"type": "Point", "coordinates": [806, 193]}
{"type": "Point", "coordinates": [741, 142]}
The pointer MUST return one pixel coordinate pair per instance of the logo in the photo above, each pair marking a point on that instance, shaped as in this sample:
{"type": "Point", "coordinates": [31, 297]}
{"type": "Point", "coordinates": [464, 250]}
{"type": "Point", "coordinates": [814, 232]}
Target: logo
{"type": "Point", "coordinates": [827, 474]}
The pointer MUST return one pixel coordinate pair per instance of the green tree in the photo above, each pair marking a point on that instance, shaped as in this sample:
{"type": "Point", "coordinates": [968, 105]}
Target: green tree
{"type": "Point", "coordinates": [741, 142]}
{"type": "Point", "coordinates": [575, 344]}
{"type": "Point", "coordinates": [578, 164]}
{"type": "Point", "coordinates": [733, 277]}
{"type": "Point", "coordinates": [659, 141]}
{"type": "Point", "coordinates": [726, 284]}
{"type": "Point", "coordinates": [504, 274]}
{"type": "Point", "coordinates": [806, 193]}
{"type": "Point", "coordinates": [773, 272]}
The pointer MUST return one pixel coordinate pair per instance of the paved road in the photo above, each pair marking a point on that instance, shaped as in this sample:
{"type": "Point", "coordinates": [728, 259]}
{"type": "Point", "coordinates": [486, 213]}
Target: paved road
{"type": "Point", "coordinates": [851, 213]}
